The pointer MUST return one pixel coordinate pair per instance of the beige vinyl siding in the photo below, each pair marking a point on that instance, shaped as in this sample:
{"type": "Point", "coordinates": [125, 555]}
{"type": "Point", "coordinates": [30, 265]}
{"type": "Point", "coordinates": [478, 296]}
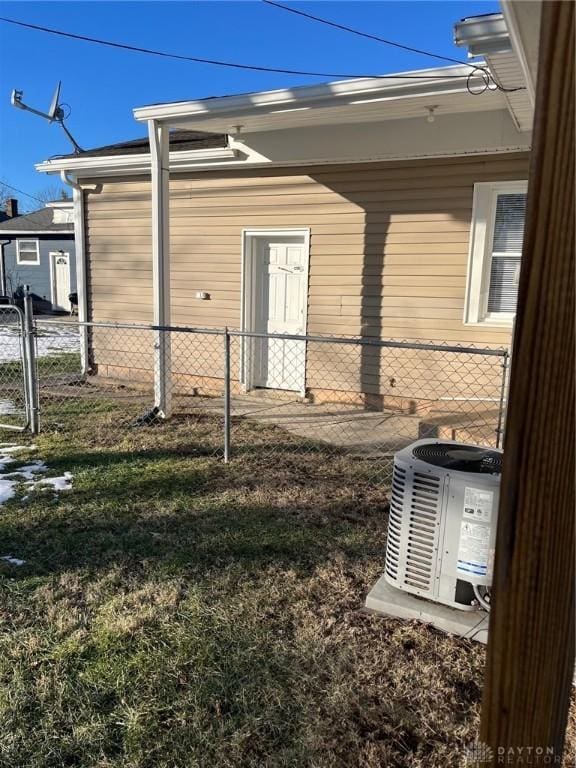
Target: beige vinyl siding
{"type": "Point", "coordinates": [388, 248]}
{"type": "Point", "coordinates": [389, 244]}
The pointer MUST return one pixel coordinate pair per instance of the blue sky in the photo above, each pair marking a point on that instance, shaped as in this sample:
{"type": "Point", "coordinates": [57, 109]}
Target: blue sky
{"type": "Point", "coordinates": [103, 85]}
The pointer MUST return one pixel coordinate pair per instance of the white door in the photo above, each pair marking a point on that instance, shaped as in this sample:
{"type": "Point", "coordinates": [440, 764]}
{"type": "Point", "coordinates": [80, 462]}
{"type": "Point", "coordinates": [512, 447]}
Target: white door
{"type": "Point", "coordinates": [280, 300]}
{"type": "Point", "coordinates": [61, 279]}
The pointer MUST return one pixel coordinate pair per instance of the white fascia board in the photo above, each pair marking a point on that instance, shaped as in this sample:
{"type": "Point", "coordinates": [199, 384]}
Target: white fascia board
{"type": "Point", "coordinates": [33, 233]}
{"type": "Point", "coordinates": [60, 204]}
{"type": "Point", "coordinates": [99, 165]}
{"type": "Point", "coordinates": [325, 95]}
{"type": "Point", "coordinates": [360, 158]}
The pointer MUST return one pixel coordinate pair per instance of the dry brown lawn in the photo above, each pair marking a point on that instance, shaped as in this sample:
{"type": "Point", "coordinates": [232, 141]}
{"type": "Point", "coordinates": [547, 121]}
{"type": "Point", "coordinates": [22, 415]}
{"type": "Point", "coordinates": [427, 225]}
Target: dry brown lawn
{"type": "Point", "coordinates": [175, 612]}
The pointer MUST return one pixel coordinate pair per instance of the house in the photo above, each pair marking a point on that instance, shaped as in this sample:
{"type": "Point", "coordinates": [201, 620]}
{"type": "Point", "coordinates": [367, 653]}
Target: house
{"type": "Point", "coordinates": [37, 249]}
{"type": "Point", "coordinates": [374, 207]}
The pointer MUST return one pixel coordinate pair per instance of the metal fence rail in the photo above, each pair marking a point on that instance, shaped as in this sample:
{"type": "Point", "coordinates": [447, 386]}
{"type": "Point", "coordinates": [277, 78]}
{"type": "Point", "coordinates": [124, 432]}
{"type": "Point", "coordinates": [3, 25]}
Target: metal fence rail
{"type": "Point", "coordinates": [317, 400]}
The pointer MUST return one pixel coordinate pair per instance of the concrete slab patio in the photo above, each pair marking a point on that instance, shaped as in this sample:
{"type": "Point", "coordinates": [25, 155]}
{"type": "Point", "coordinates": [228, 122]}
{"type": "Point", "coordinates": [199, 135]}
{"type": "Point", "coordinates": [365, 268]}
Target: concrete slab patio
{"type": "Point", "coordinates": [372, 433]}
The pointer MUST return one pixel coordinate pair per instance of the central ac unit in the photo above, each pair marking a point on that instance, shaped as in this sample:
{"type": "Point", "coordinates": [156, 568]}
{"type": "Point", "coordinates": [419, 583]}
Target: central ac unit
{"type": "Point", "coordinates": [442, 525]}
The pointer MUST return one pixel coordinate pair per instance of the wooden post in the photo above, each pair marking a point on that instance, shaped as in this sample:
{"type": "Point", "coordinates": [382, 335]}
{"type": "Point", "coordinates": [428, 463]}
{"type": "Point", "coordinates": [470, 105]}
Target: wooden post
{"type": "Point", "coordinates": [530, 661]}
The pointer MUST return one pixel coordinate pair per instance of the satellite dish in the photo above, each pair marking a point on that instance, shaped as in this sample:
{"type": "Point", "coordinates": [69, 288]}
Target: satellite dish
{"type": "Point", "coordinates": [54, 113]}
{"type": "Point", "coordinates": [16, 99]}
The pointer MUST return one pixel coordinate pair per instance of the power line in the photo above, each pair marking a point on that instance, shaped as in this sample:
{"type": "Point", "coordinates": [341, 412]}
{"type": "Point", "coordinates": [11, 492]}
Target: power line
{"type": "Point", "coordinates": [485, 75]}
{"type": "Point", "coordinates": [218, 62]}
{"type": "Point", "coordinates": [20, 191]}
{"type": "Point", "coordinates": [358, 32]}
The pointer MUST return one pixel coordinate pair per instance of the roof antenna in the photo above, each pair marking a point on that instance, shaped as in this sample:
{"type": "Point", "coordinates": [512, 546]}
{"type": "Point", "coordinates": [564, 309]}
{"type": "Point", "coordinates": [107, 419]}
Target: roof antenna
{"type": "Point", "coordinates": [55, 113]}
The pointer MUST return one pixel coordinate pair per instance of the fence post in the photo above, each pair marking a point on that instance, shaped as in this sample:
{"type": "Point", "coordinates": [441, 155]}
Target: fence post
{"type": "Point", "coordinates": [31, 382]}
{"type": "Point", "coordinates": [505, 365]}
{"type": "Point", "coordinates": [226, 396]}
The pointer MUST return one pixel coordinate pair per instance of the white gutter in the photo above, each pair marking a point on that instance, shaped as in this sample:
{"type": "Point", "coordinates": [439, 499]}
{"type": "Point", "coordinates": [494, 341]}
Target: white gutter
{"type": "Point", "coordinates": [80, 250]}
{"type": "Point", "coordinates": [32, 232]}
{"type": "Point", "coordinates": [98, 165]}
{"type": "Point", "coordinates": [160, 176]}
{"type": "Point", "coordinates": [325, 95]}
{"type": "Point", "coordinates": [483, 35]}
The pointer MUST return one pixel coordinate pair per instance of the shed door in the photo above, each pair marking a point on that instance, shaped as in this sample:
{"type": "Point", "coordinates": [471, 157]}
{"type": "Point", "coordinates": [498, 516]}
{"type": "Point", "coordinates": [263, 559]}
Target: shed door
{"type": "Point", "coordinates": [280, 307]}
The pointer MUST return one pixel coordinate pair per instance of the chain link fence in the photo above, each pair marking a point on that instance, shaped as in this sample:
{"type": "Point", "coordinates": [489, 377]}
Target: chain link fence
{"type": "Point", "coordinates": [311, 403]}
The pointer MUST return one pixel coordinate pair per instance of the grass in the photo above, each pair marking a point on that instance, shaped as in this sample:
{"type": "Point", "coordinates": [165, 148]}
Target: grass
{"type": "Point", "coordinates": [56, 363]}
{"type": "Point", "coordinates": [54, 368]}
{"type": "Point", "coordinates": [176, 612]}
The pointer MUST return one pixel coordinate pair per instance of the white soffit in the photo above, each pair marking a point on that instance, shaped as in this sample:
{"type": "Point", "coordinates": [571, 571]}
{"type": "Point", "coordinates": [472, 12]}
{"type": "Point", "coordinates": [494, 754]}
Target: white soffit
{"type": "Point", "coordinates": [489, 36]}
{"type": "Point", "coordinates": [361, 111]}
{"type": "Point", "coordinates": [347, 101]}
{"type": "Point", "coordinates": [507, 70]}
{"type": "Point", "coordinates": [523, 19]}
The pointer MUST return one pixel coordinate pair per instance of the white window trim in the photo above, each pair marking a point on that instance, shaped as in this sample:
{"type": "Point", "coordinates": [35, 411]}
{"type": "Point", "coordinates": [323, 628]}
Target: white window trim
{"type": "Point", "coordinates": [480, 253]}
{"type": "Point", "coordinates": [28, 263]}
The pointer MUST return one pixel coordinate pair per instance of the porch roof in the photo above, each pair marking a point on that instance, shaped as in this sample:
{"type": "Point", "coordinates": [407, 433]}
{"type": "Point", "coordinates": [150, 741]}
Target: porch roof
{"type": "Point", "coordinates": [360, 100]}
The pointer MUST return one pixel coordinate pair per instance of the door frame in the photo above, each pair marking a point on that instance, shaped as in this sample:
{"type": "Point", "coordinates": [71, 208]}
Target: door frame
{"type": "Point", "coordinates": [250, 237]}
{"type": "Point", "coordinates": [53, 289]}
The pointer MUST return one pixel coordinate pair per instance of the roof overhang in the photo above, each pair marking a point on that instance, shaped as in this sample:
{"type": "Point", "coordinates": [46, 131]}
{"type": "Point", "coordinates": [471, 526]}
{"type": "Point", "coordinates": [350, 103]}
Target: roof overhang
{"type": "Point", "coordinates": [405, 94]}
{"type": "Point", "coordinates": [139, 164]}
{"type": "Point", "coordinates": [523, 21]}
{"type": "Point", "coordinates": [491, 36]}
{"type": "Point", "coordinates": [360, 120]}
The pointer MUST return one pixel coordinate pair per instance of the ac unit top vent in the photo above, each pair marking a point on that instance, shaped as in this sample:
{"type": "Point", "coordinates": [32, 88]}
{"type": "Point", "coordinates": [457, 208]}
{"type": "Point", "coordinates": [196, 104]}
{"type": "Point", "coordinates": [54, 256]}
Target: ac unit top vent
{"type": "Point", "coordinates": [460, 458]}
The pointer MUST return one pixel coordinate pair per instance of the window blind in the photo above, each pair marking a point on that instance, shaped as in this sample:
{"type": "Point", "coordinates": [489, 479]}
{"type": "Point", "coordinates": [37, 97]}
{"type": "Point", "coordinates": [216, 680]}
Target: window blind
{"type": "Point", "coordinates": [506, 251]}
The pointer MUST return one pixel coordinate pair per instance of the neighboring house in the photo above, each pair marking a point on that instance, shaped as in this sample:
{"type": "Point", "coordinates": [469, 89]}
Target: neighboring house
{"type": "Point", "coordinates": [385, 208]}
{"type": "Point", "coordinates": [37, 249]}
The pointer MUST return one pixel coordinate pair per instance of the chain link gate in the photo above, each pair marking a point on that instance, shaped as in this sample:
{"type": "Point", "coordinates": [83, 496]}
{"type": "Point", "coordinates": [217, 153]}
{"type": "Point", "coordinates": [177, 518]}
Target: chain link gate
{"type": "Point", "coordinates": [17, 380]}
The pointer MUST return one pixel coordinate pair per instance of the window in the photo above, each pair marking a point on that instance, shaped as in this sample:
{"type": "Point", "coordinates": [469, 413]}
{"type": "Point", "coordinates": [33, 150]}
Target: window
{"type": "Point", "coordinates": [28, 252]}
{"type": "Point", "coordinates": [495, 252]}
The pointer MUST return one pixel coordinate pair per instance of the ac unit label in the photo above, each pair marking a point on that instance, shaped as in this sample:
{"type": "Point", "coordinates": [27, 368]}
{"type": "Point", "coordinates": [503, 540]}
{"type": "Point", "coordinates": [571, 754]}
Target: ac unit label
{"type": "Point", "coordinates": [478, 504]}
{"type": "Point", "coordinates": [474, 549]}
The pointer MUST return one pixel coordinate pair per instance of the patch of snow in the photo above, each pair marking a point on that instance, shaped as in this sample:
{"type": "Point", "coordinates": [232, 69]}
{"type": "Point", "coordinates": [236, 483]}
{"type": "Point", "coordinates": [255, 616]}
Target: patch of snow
{"type": "Point", "coordinates": [4, 461]}
{"type": "Point", "coordinates": [49, 341]}
{"type": "Point", "coordinates": [29, 470]}
{"type": "Point", "coordinates": [63, 483]}
{"type": "Point", "coordinates": [27, 474]}
{"type": "Point", "coordinates": [7, 489]}
{"type": "Point", "coordinates": [8, 408]}
{"type": "Point", "coordinates": [12, 560]}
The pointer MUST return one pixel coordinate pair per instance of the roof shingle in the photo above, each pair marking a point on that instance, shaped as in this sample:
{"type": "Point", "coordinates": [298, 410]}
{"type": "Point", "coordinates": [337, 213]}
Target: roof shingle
{"type": "Point", "coordinates": [179, 142]}
{"type": "Point", "coordinates": [37, 221]}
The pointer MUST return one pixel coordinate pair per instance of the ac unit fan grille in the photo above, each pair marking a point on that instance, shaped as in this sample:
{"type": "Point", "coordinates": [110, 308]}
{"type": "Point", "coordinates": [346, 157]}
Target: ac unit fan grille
{"type": "Point", "coordinates": [395, 522]}
{"type": "Point", "coordinates": [460, 458]}
{"type": "Point", "coordinates": [422, 531]}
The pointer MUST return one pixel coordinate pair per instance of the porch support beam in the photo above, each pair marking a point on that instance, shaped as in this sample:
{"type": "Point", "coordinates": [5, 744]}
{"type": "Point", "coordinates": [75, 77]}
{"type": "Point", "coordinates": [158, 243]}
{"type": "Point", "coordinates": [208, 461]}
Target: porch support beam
{"type": "Point", "coordinates": [159, 147]}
